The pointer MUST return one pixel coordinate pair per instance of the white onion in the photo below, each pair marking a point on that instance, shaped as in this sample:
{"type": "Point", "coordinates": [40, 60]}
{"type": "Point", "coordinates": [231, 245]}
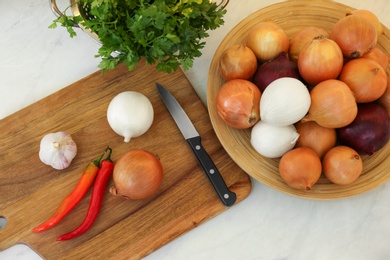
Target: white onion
{"type": "Point", "coordinates": [284, 102]}
{"type": "Point", "coordinates": [130, 114]}
{"type": "Point", "coordinates": [273, 141]}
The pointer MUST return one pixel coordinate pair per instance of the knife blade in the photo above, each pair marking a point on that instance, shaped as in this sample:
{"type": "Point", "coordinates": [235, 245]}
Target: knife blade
{"type": "Point", "coordinates": [227, 197]}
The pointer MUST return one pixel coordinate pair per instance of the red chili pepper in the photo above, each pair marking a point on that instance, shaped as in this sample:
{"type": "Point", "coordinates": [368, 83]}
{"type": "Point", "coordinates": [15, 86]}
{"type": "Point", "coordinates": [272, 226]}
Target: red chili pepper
{"type": "Point", "coordinates": [70, 201]}
{"type": "Point", "coordinates": [99, 188]}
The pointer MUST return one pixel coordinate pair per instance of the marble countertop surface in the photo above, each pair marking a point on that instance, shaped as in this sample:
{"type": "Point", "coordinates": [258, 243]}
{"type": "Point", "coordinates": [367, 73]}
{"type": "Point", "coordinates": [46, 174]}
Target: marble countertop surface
{"type": "Point", "coordinates": [36, 61]}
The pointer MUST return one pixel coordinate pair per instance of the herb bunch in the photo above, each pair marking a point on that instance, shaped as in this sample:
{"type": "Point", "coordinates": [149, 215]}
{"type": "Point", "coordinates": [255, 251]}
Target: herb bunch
{"type": "Point", "coordinates": [168, 33]}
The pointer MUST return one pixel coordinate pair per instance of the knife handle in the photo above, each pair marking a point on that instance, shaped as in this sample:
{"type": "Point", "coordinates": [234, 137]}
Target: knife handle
{"type": "Point", "coordinates": [227, 197]}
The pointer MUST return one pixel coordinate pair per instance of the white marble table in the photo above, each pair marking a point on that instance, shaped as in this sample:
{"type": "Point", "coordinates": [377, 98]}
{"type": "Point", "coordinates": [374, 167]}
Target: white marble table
{"type": "Point", "coordinates": [36, 62]}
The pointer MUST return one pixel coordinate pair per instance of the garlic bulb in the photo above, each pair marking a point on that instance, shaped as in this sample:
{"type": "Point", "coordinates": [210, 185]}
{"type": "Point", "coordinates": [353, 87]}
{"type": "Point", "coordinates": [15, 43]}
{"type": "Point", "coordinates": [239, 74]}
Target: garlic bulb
{"type": "Point", "coordinates": [130, 114]}
{"type": "Point", "coordinates": [284, 102]}
{"type": "Point", "coordinates": [273, 141]}
{"type": "Point", "coordinates": [57, 150]}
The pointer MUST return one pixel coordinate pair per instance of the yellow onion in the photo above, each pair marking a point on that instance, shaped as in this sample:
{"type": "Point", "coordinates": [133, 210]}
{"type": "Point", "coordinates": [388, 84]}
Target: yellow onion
{"type": "Point", "coordinates": [320, 139]}
{"type": "Point", "coordinates": [355, 35]}
{"type": "Point", "coordinates": [371, 17]}
{"type": "Point", "coordinates": [267, 40]}
{"type": "Point", "coordinates": [384, 100]}
{"type": "Point", "coordinates": [137, 175]}
{"type": "Point", "coordinates": [319, 60]}
{"type": "Point", "coordinates": [379, 56]}
{"type": "Point", "coordinates": [366, 78]}
{"type": "Point", "coordinates": [238, 62]}
{"type": "Point", "coordinates": [238, 103]}
{"type": "Point", "coordinates": [302, 37]}
{"type": "Point", "coordinates": [332, 104]}
{"type": "Point", "coordinates": [342, 165]}
{"type": "Point", "coordinates": [300, 168]}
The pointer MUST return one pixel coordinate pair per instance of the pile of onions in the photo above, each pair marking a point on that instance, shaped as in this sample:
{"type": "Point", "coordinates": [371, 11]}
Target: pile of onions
{"type": "Point", "coordinates": [274, 69]}
{"type": "Point", "coordinates": [300, 168]}
{"type": "Point", "coordinates": [301, 38]}
{"type": "Point", "coordinates": [267, 39]}
{"type": "Point", "coordinates": [332, 104]}
{"type": "Point", "coordinates": [355, 35]}
{"type": "Point", "coordinates": [137, 175]}
{"type": "Point", "coordinates": [320, 96]}
{"type": "Point", "coordinates": [238, 62]}
{"type": "Point", "coordinates": [369, 132]}
{"type": "Point", "coordinates": [238, 103]}
{"type": "Point", "coordinates": [320, 60]}
{"type": "Point", "coordinates": [318, 138]}
{"type": "Point", "coordinates": [366, 78]}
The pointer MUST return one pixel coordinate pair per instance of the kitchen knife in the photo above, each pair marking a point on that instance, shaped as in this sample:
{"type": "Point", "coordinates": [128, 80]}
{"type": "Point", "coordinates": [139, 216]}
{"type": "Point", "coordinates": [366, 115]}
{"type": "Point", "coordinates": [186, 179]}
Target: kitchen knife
{"type": "Point", "coordinates": [227, 197]}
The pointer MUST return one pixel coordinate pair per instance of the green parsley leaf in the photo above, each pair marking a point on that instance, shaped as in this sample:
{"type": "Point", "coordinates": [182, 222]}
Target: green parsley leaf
{"type": "Point", "coordinates": [168, 33]}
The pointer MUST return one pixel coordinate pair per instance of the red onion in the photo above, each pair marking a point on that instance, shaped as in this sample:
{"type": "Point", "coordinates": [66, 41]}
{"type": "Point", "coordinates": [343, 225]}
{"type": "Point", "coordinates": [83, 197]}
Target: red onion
{"type": "Point", "coordinates": [369, 132]}
{"type": "Point", "coordinates": [276, 68]}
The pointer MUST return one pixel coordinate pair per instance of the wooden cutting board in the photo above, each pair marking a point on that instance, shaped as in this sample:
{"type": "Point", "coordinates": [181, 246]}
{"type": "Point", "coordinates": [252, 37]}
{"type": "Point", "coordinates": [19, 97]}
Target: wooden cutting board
{"type": "Point", "coordinates": [125, 229]}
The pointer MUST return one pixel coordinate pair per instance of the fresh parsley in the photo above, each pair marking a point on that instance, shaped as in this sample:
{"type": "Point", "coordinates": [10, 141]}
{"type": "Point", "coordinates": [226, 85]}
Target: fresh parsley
{"type": "Point", "coordinates": [168, 33]}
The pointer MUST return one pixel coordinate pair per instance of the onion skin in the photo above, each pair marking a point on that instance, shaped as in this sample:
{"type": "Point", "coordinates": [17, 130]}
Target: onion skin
{"type": "Point", "coordinates": [301, 38]}
{"type": "Point", "coordinates": [300, 168]}
{"type": "Point", "coordinates": [366, 78]}
{"type": "Point", "coordinates": [320, 139]}
{"type": "Point", "coordinates": [137, 175]}
{"type": "Point", "coordinates": [384, 100]}
{"type": "Point", "coordinates": [319, 60]}
{"type": "Point", "coordinates": [379, 56]}
{"type": "Point", "coordinates": [369, 132]}
{"type": "Point", "coordinates": [332, 104]}
{"type": "Point", "coordinates": [238, 62]}
{"type": "Point", "coordinates": [274, 69]}
{"type": "Point", "coordinates": [273, 141]}
{"type": "Point", "coordinates": [284, 102]}
{"type": "Point", "coordinates": [267, 40]}
{"type": "Point", "coordinates": [342, 165]}
{"type": "Point", "coordinates": [238, 103]}
{"type": "Point", "coordinates": [371, 17]}
{"type": "Point", "coordinates": [355, 35]}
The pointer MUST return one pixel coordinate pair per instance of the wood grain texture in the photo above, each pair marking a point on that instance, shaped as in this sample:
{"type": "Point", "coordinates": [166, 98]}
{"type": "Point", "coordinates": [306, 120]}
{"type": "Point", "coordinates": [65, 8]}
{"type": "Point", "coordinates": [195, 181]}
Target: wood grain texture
{"type": "Point", "coordinates": [125, 229]}
{"type": "Point", "coordinates": [291, 16]}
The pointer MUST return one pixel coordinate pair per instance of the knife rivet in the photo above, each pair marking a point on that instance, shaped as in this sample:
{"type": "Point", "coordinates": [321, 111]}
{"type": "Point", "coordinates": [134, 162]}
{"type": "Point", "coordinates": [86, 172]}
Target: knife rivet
{"type": "Point", "coordinates": [226, 196]}
{"type": "Point", "coordinates": [197, 147]}
{"type": "Point", "coordinates": [212, 171]}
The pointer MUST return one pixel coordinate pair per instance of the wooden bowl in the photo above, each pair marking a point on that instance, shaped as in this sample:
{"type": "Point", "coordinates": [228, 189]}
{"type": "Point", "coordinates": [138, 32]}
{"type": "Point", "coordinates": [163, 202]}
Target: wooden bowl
{"type": "Point", "coordinates": [291, 16]}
